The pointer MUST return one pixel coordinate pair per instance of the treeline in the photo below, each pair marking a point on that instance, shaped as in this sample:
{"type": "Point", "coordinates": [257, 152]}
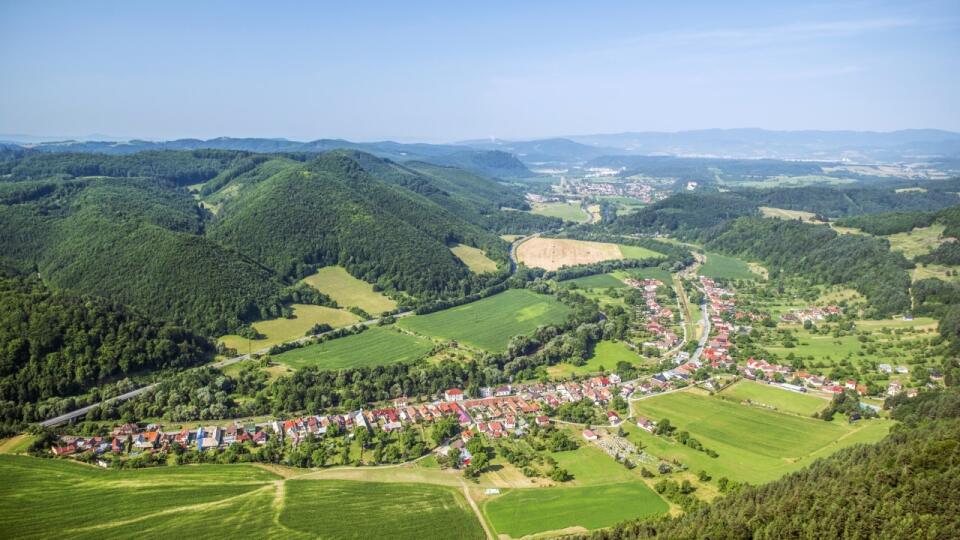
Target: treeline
{"type": "Point", "coordinates": [181, 168]}
{"type": "Point", "coordinates": [55, 344]}
{"type": "Point", "coordinates": [889, 222]}
{"type": "Point", "coordinates": [686, 215]}
{"type": "Point", "coordinates": [901, 487]}
{"type": "Point", "coordinates": [821, 254]}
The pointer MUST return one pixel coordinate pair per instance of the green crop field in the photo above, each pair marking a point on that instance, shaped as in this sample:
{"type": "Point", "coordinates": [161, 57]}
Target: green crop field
{"type": "Point", "coordinates": [644, 273]}
{"type": "Point", "coordinates": [373, 347]}
{"type": "Point", "coordinates": [42, 498]}
{"type": "Point", "coordinates": [491, 322]}
{"type": "Point", "coordinates": [474, 258]}
{"type": "Point", "coordinates": [348, 291]}
{"type": "Point", "coordinates": [606, 354]}
{"type": "Point", "coordinates": [562, 210]}
{"type": "Point", "coordinates": [781, 399]}
{"type": "Point", "coordinates": [598, 281]}
{"type": "Point", "coordinates": [280, 330]}
{"type": "Point", "coordinates": [722, 267]}
{"type": "Point", "coordinates": [754, 444]}
{"type": "Point", "coordinates": [345, 509]}
{"type": "Point", "coordinates": [520, 512]}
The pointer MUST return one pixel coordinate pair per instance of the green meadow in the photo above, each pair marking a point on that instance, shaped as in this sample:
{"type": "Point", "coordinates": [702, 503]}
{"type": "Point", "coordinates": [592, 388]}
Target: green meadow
{"type": "Point", "coordinates": [596, 281]}
{"type": "Point", "coordinates": [520, 512]}
{"type": "Point", "coordinates": [754, 444]}
{"type": "Point", "coordinates": [771, 396]}
{"type": "Point", "coordinates": [606, 355]}
{"type": "Point", "coordinates": [490, 323]}
{"type": "Point", "coordinates": [373, 347]}
{"type": "Point", "coordinates": [348, 291]}
{"type": "Point", "coordinates": [562, 210]}
{"type": "Point", "coordinates": [637, 252]}
{"type": "Point", "coordinates": [722, 267]}
{"type": "Point", "coordinates": [42, 498]}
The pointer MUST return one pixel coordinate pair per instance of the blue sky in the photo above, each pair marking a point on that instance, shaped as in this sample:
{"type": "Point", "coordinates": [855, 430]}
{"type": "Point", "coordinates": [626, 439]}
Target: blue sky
{"type": "Point", "coordinates": [443, 71]}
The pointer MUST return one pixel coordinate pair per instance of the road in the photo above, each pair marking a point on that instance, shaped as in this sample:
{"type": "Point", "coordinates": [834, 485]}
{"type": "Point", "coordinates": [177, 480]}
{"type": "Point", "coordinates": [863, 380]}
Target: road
{"type": "Point", "coordinates": [63, 418]}
{"type": "Point", "coordinates": [705, 320]}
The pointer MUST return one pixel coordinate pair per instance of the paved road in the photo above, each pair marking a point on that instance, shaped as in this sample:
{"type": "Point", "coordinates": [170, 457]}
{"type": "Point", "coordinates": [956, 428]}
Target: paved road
{"type": "Point", "coordinates": [63, 418]}
{"type": "Point", "coordinates": [705, 319]}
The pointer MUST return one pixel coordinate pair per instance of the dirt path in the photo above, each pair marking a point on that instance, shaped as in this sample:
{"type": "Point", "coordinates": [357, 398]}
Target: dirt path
{"type": "Point", "coordinates": [476, 510]}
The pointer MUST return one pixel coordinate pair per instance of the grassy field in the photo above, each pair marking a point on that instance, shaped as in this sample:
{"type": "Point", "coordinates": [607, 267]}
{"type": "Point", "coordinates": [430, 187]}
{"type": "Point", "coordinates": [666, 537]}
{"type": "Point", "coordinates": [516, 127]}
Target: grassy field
{"type": "Point", "coordinates": [349, 291]}
{"type": "Point", "coordinates": [566, 211]}
{"type": "Point", "coordinates": [597, 281]}
{"type": "Point", "coordinates": [490, 323]}
{"type": "Point", "coordinates": [520, 512]}
{"type": "Point", "coordinates": [754, 444]}
{"type": "Point", "coordinates": [43, 498]}
{"type": "Point", "coordinates": [644, 273]}
{"type": "Point", "coordinates": [280, 330]}
{"type": "Point", "coordinates": [722, 267]}
{"type": "Point", "coordinates": [606, 354]}
{"type": "Point", "coordinates": [344, 509]}
{"type": "Point", "coordinates": [510, 237]}
{"type": "Point", "coordinates": [553, 253]}
{"type": "Point", "coordinates": [771, 396]}
{"type": "Point", "coordinates": [474, 258]}
{"type": "Point", "coordinates": [373, 347]}
{"type": "Point", "coordinates": [916, 242]}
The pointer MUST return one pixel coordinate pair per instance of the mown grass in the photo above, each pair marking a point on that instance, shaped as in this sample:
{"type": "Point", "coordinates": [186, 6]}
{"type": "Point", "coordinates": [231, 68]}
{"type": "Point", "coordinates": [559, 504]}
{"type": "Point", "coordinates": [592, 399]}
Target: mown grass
{"type": "Point", "coordinates": [597, 281]}
{"type": "Point", "coordinates": [521, 512]}
{"type": "Point", "coordinates": [779, 398]}
{"type": "Point", "coordinates": [474, 258]}
{"type": "Point", "coordinates": [344, 509]}
{"type": "Point", "coordinates": [754, 444]}
{"type": "Point", "coordinates": [281, 330]}
{"type": "Point", "coordinates": [637, 252]}
{"type": "Point", "coordinates": [373, 347]}
{"type": "Point", "coordinates": [490, 323]}
{"type": "Point", "coordinates": [722, 267]}
{"type": "Point", "coordinates": [349, 291]}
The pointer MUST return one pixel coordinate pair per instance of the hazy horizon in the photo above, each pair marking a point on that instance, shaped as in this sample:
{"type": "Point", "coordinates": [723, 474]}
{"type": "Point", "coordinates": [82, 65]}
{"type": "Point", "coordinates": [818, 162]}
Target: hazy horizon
{"type": "Point", "coordinates": [445, 73]}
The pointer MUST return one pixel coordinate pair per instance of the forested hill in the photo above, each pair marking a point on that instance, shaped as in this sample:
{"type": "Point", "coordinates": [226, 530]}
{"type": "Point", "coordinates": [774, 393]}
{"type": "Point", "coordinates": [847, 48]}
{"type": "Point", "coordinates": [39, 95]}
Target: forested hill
{"type": "Point", "coordinates": [58, 344]}
{"type": "Point", "coordinates": [127, 228]}
{"type": "Point", "coordinates": [332, 211]}
{"type": "Point", "coordinates": [905, 486]}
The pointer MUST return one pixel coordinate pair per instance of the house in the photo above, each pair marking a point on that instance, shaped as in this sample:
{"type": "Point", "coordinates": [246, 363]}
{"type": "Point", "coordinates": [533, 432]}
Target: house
{"type": "Point", "coordinates": [589, 435]}
{"type": "Point", "coordinates": [125, 430]}
{"type": "Point", "coordinates": [146, 440]}
{"type": "Point", "coordinates": [453, 394]}
{"type": "Point", "coordinates": [542, 420]}
{"type": "Point", "coordinates": [885, 368]}
{"type": "Point", "coordinates": [613, 418]}
{"type": "Point", "coordinates": [646, 424]}
{"type": "Point", "coordinates": [902, 370]}
{"type": "Point", "coordinates": [209, 437]}
{"type": "Point", "coordinates": [64, 450]}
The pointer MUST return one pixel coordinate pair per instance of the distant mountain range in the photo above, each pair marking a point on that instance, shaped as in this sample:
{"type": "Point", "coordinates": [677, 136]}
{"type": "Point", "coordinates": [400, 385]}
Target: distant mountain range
{"type": "Point", "coordinates": [509, 159]}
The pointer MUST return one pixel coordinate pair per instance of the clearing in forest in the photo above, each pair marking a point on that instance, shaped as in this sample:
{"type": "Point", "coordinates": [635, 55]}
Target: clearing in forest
{"type": "Point", "coordinates": [474, 258]}
{"type": "Point", "coordinates": [783, 213]}
{"type": "Point", "coordinates": [568, 211]}
{"type": "Point", "coordinates": [553, 253]}
{"type": "Point", "coordinates": [276, 331]}
{"type": "Point", "coordinates": [348, 291]}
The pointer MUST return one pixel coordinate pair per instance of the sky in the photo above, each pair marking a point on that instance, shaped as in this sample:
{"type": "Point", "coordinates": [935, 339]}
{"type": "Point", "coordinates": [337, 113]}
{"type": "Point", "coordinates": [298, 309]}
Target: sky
{"type": "Point", "coordinates": [447, 71]}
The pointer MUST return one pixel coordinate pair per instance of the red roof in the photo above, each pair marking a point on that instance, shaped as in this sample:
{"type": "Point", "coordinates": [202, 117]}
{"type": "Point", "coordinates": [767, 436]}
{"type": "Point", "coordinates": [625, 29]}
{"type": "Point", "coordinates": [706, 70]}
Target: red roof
{"type": "Point", "coordinates": [454, 391]}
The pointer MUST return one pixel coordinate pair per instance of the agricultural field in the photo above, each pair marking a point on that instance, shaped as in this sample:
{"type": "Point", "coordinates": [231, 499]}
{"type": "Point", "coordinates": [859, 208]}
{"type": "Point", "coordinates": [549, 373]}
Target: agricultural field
{"type": "Point", "coordinates": [474, 258]}
{"type": "Point", "coordinates": [319, 508]}
{"type": "Point", "coordinates": [553, 253]}
{"type": "Point", "coordinates": [521, 512]}
{"type": "Point", "coordinates": [779, 399]}
{"type": "Point", "coordinates": [281, 330]}
{"type": "Point", "coordinates": [722, 267]}
{"type": "Point", "coordinates": [568, 211]}
{"type": "Point", "coordinates": [606, 355]}
{"type": "Point", "coordinates": [373, 347]}
{"type": "Point", "coordinates": [43, 498]}
{"type": "Point", "coordinates": [489, 323]}
{"type": "Point", "coordinates": [348, 291]}
{"type": "Point", "coordinates": [596, 281]}
{"type": "Point", "coordinates": [918, 241]}
{"type": "Point", "coordinates": [782, 213]}
{"type": "Point", "coordinates": [754, 444]}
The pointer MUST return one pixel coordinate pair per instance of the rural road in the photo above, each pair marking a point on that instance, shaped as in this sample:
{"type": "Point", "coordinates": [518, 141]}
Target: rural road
{"type": "Point", "coordinates": [57, 420]}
